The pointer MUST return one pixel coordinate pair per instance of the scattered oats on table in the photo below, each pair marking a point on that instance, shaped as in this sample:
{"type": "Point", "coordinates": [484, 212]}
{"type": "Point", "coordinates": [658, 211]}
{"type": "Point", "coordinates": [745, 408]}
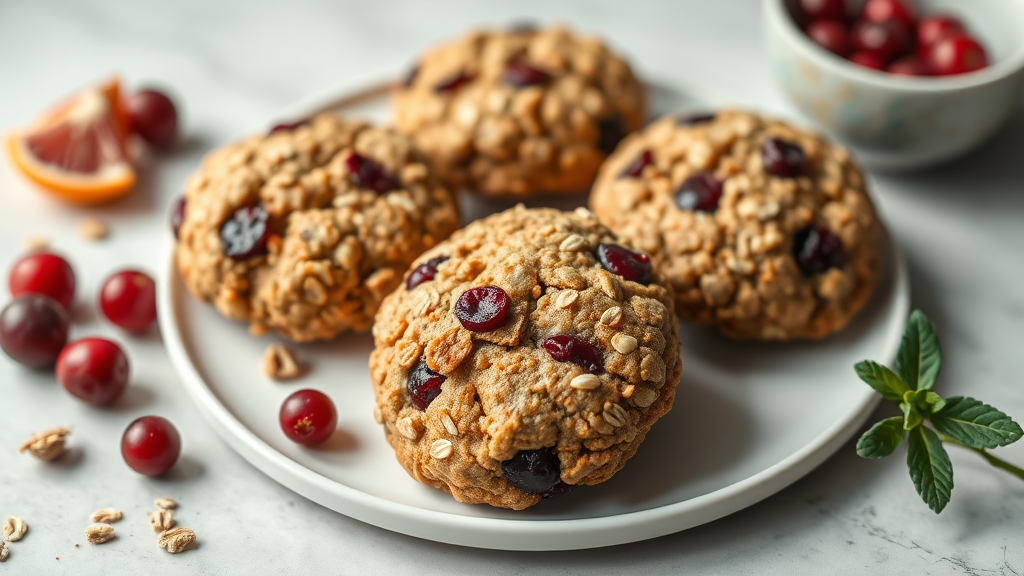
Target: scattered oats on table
{"type": "Point", "coordinates": [4, 551]}
{"type": "Point", "coordinates": [279, 363]}
{"type": "Point", "coordinates": [46, 445]}
{"type": "Point", "coordinates": [161, 520]}
{"type": "Point", "coordinates": [106, 515]}
{"type": "Point", "coordinates": [92, 229]}
{"type": "Point", "coordinates": [36, 243]}
{"type": "Point", "coordinates": [14, 529]}
{"type": "Point", "coordinates": [99, 533]}
{"type": "Point", "coordinates": [165, 503]}
{"type": "Point", "coordinates": [177, 540]}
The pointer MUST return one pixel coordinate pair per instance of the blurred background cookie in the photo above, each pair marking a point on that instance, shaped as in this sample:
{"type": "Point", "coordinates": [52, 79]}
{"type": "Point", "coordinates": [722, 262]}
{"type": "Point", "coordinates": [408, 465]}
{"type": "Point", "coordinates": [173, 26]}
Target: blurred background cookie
{"type": "Point", "coordinates": [763, 229]}
{"type": "Point", "coordinates": [305, 230]}
{"type": "Point", "coordinates": [516, 112]}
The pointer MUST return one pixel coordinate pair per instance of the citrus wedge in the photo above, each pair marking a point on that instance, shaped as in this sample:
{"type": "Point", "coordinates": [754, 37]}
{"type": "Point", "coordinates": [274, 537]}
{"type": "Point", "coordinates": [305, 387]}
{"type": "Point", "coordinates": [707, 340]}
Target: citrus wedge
{"type": "Point", "coordinates": [78, 149]}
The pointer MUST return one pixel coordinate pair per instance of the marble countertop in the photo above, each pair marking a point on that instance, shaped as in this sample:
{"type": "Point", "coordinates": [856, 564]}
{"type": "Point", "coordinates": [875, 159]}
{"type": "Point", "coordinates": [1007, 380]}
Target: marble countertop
{"type": "Point", "coordinates": [235, 65]}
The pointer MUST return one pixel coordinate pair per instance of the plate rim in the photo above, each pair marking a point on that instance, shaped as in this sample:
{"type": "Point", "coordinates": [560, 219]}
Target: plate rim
{"type": "Point", "coordinates": [479, 532]}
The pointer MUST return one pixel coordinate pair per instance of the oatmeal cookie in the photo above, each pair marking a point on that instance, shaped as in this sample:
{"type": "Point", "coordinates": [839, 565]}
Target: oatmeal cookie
{"type": "Point", "coordinates": [513, 113]}
{"type": "Point", "coordinates": [527, 353]}
{"type": "Point", "coordinates": [304, 231]}
{"type": "Point", "coordinates": [763, 230]}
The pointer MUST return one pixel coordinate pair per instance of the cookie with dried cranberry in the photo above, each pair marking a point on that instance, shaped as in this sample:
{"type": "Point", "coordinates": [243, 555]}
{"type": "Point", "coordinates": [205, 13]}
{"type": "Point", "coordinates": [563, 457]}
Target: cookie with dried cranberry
{"type": "Point", "coordinates": [305, 230]}
{"type": "Point", "coordinates": [764, 230]}
{"type": "Point", "coordinates": [514, 113]}
{"type": "Point", "coordinates": [528, 353]}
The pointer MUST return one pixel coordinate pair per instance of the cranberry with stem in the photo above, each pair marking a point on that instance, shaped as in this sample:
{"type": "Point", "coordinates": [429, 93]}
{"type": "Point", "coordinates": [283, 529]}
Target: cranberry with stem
{"type": "Point", "coordinates": [619, 260]}
{"type": "Point", "coordinates": [700, 192]}
{"type": "Point", "coordinates": [33, 330]}
{"type": "Point", "coordinates": [482, 309]}
{"type": "Point", "coordinates": [151, 445]}
{"type": "Point", "coordinates": [43, 273]}
{"type": "Point", "coordinates": [425, 272]}
{"type": "Point", "coordinates": [128, 299]}
{"type": "Point", "coordinates": [245, 234]}
{"type": "Point", "coordinates": [423, 385]}
{"type": "Point", "coordinates": [568, 348]}
{"type": "Point", "coordinates": [94, 370]}
{"type": "Point", "coordinates": [533, 471]}
{"type": "Point", "coordinates": [308, 417]}
{"type": "Point", "coordinates": [153, 117]}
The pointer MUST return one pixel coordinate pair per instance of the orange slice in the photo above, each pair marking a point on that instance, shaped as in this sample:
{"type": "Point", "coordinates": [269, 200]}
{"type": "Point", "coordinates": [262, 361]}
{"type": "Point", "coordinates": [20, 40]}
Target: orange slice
{"type": "Point", "coordinates": [77, 150]}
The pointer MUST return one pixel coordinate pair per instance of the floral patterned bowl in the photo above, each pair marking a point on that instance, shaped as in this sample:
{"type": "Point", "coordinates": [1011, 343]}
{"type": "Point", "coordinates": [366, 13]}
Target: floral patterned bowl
{"type": "Point", "coordinates": [899, 122]}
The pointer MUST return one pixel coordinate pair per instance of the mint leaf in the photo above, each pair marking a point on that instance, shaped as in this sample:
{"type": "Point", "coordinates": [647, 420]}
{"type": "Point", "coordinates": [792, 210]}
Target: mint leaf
{"type": "Point", "coordinates": [882, 439]}
{"type": "Point", "coordinates": [933, 402]}
{"type": "Point", "coordinates": [919, 358]}
{"type": "Point", "coordinates": [930, 468]}
{"type": "Point", "coordinates": [912, 417]}
{"type": "Point", "coordinates": [975, 424]}
{"type": "Point", "coordinates": [884, 381]}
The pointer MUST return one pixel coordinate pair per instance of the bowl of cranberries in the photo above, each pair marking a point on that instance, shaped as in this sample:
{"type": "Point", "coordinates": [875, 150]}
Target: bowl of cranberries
{"type": "Point", "coordinates": [905, 83]}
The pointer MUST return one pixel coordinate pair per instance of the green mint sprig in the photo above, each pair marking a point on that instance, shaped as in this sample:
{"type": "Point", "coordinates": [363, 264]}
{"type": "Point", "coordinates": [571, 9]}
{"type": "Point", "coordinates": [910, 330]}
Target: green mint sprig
{"type": "Point", "coordinates": [958, 420]}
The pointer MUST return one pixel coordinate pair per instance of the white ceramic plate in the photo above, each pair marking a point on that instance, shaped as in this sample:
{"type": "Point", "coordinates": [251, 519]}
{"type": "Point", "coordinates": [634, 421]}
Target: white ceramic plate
{"type": "Point", "coordinates": [749, 418]}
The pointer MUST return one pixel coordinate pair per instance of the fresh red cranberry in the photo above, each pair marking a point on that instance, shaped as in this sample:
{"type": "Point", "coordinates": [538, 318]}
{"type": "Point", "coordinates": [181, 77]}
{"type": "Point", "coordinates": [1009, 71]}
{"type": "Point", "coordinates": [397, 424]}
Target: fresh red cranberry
{"type": "Point", "coordinates": [699, 192]}
{"type": "Point", "coordinates": [410, 76]}
{"type": "Point", "coordinates": [245, 234]}
{"type": "Point", "coordinates": [782, 158]}
{"type": "Point", "coordinates": [128, 299]}
{"type": "Point", "coordinates": [33, 329]}
{"type": "Point", "coordinates": [957, 55]}
{"type": "Point", "coordinates": [533, 471]}
{"type": "Point", "coordinates": [43, 273]}
{"type": "Point", "coordinates": [94, 370]}
{"type": "Point", "coordinates": [178, 216]}
{"type": "Point", "coordinates": [933, 28]}
{"type": "Point", "coordinates": [868, 60]}
{"type": "Point", "coordinates": [610, 131]}
{"type": "Point", "coordinates": [624, 262]}
{"type": "Point", "coordinates": [367, 173]}
{"type": "Point", "coordinates": [288, 126]}
{"type": "Point", "coordinates": [308, 417]}
{"type": "Point", "coordinates": [452, 83]}
{"type": "Point", "coordinates": [908, 66]}
{"type": "Point", "coordinates": [566, 348]}
{"type": "Point", "coordinates": [695, 119]}
{"type": "Point", "coordinates": [151, 445]}
{"type": "Point", "coordinates": [885, 10]}
{"type": "Point", "coordinates": [816, 249]}
{"type": "Point", "coordinates": [636, 167]}
{"type": "Point", "coordinates": [423, 384]}
{"type": "Point", "coordinates": [884, 39]}
{"type": "Point", "coordinates": [482, 309]}
{"type": "Point", "coordinates": [153, 117]}
{"type": "Point", "coordinates": [830, 35]}
{"type": "Point", "coordinates": [520, 74]}
{"type": "Point", "coordinates": [823, 9]}
{"type": "Point", "coordinates": [425, 272]}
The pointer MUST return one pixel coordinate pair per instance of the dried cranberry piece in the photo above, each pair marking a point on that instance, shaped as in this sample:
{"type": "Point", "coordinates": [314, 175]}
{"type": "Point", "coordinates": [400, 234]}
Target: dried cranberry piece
{"type": "Point", "coordinates": [245, 234]}
{"type": "Point", "coordinates": [782, 158]}
{"type": "Point", "coordinates": [178, 216]}
{"type": "Point", "coordinates": [636, 167]}
{"type": "Point", "coordinates": [423, 273]}
{"type": "Point", "coordinates": [816, 249]}
{"type": "Point", "coordinates": [559, 488]}
{"type": "Point", "coordinates": [520, 74]}
{"type": "Point", "coordinates": [410, 77]}
{"type": "Point", "coordinates": [566, 348]}
{"type": "Point", "coordinates": [610, 131]}
{"type": "Point", "coordinates": [624, 262]}
{"type": "Point", "coordinates": [423, 384]}
{"type": "Point", "coordinates": [533, 471]}
{"type": "Point", "coordinates": [482, 309]}
{"type": "Point", "coordinates": [288, 126]}
{"type": "Point", "coordinates": [699, 192]}
{"type": "Point", "coordinates": [695, 119]}
{"type": "Point", "coordinates": [370, 174]}
{"type": "Point", "coordinates": [452, 83]}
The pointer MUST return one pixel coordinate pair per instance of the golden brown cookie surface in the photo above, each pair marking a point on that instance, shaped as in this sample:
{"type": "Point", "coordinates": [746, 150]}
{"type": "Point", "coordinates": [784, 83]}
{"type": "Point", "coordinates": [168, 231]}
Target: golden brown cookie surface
{"type": "Point", "coordinates": [764, 230]}
{"type": "Point", "coordinates": [513, 113]}
{"type": "Point", "coordinates": [304, 231]}
{"type": "Point", "coordinates": [580, 367]}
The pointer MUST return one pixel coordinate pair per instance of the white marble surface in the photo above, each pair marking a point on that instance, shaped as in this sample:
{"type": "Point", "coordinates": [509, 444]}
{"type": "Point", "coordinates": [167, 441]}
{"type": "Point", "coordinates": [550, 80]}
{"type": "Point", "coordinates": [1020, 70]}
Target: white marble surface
{"type": "Point", "coordinates": [233, 65]}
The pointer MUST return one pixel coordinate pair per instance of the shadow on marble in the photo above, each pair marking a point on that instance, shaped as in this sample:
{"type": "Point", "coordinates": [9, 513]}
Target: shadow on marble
{"type": "Point", "coordinates": [341, 441]}
{"type": "Point", "coordinates": [188, 469]}
{"type": "Point", "coordinates": [134, 398]}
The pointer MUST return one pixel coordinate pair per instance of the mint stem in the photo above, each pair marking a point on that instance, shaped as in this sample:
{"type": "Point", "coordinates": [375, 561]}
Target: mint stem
{"type": "Point", "coordinates": [993, 460]}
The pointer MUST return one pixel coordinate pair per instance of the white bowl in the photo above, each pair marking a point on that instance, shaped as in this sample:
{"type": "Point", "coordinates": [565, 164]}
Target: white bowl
{"type": "Point", "coordinates": [898, 122]}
